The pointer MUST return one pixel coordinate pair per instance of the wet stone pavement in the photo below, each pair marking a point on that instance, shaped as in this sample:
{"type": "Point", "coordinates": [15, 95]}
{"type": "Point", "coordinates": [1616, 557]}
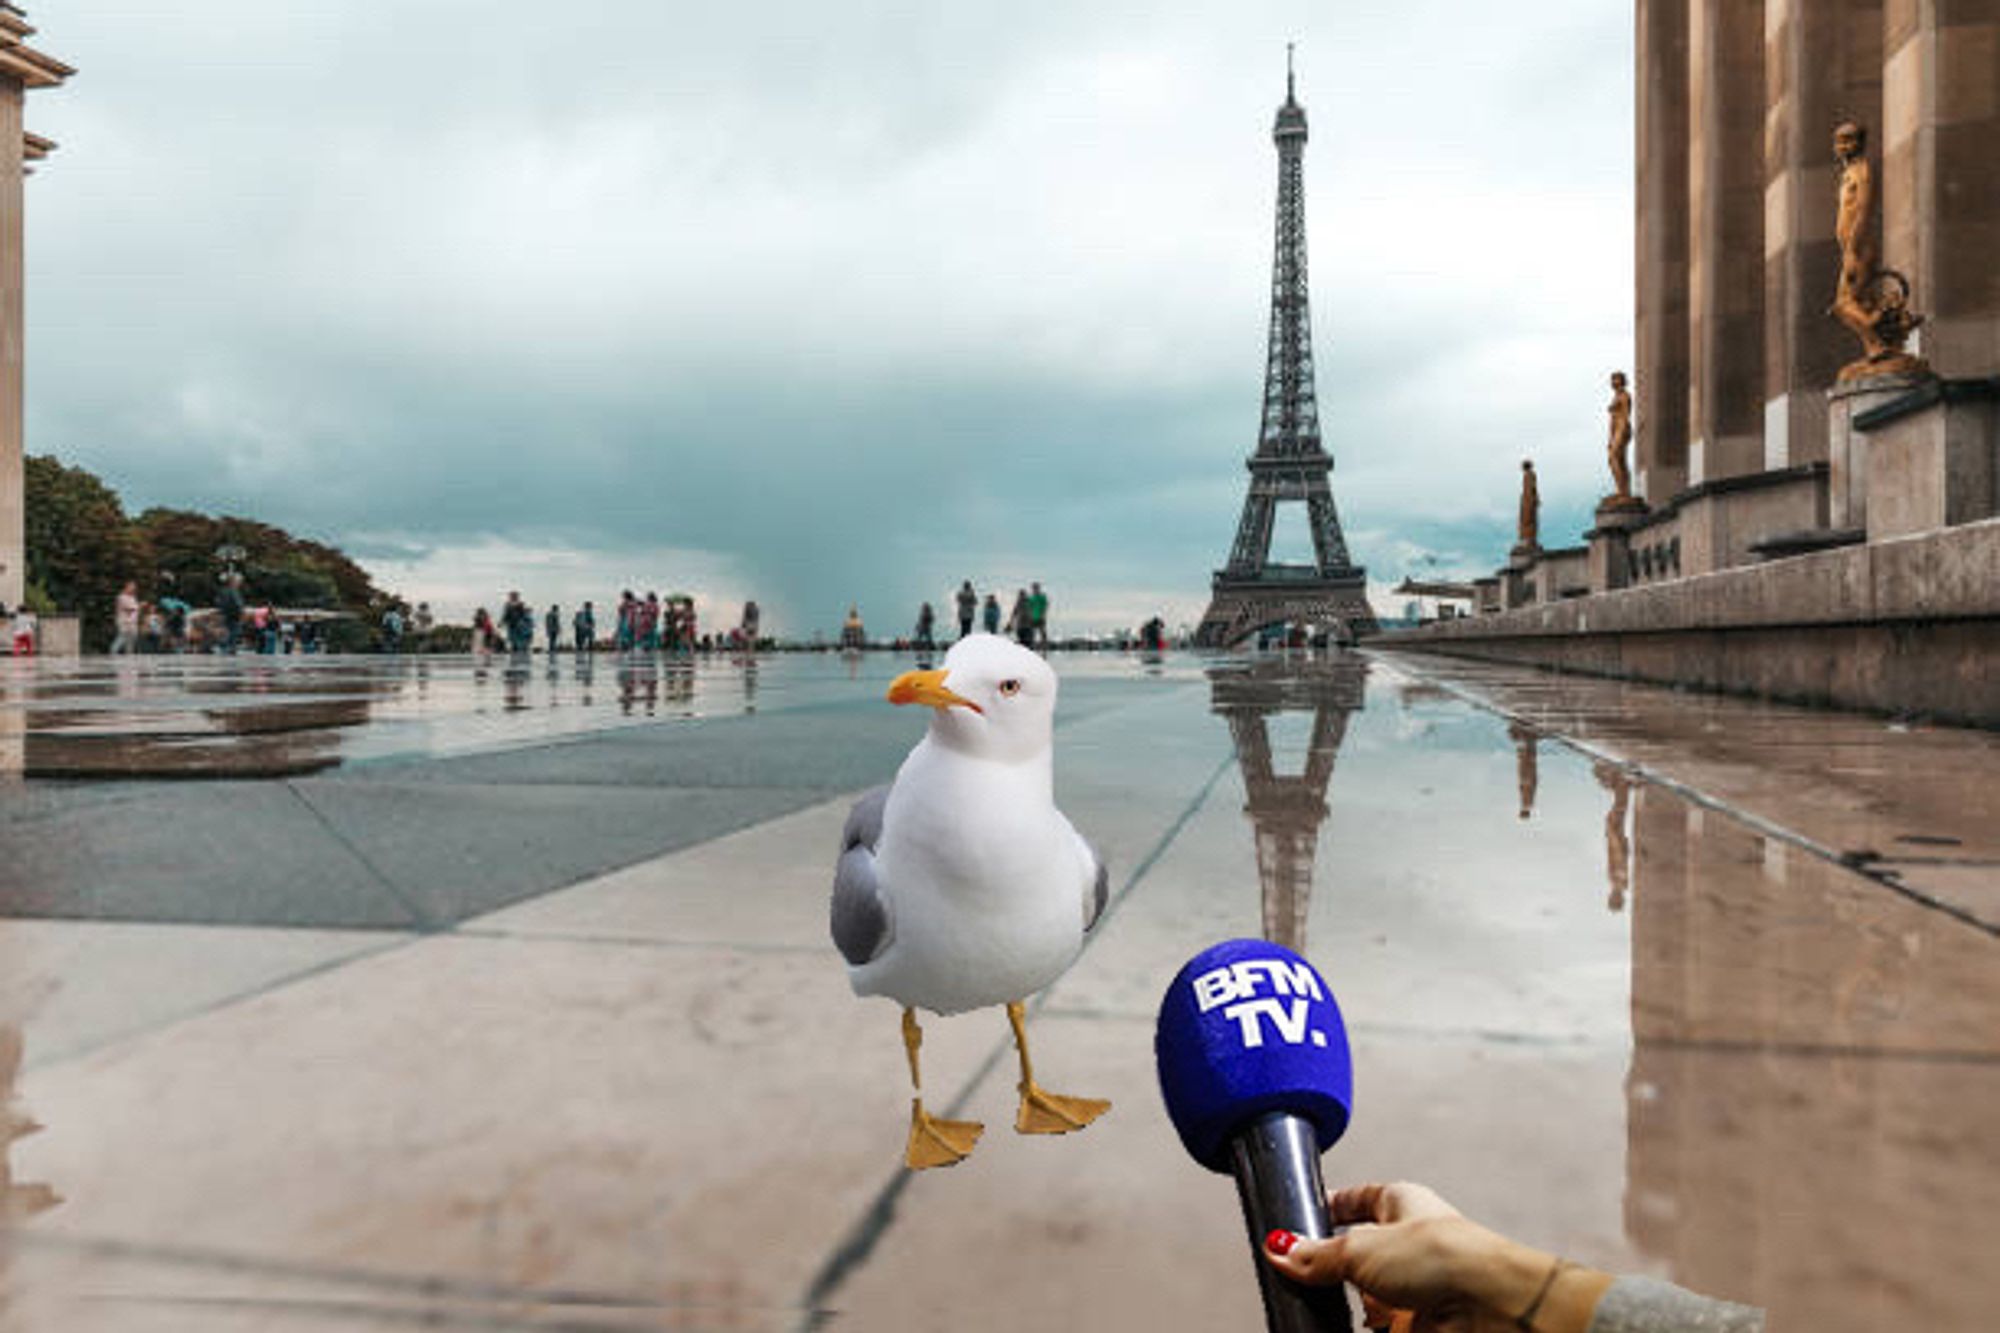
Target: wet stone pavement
{"type": "Point", "coordinates": [361, 993]}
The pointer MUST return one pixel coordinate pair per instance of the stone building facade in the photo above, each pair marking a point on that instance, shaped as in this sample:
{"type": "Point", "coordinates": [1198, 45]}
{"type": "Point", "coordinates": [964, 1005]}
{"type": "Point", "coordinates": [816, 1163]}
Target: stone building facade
{"type": "Point", "coordinates": [1737, 101]}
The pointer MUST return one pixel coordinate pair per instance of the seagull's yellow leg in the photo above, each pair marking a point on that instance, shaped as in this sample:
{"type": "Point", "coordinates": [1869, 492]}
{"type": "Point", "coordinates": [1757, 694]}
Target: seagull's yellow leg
{"type": "Point", "coordinates": [932, 1142]}
{"type": "Point", "coordinates": [1046, 1112]}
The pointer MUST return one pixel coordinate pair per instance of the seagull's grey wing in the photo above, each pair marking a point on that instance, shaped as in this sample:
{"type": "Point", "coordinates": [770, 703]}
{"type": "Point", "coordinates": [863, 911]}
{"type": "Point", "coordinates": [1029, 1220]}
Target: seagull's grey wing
{"type": "Point", "coordinates": [1099, 891]}
{"type": "Point", "coordinates": [862, 926]}
{"type": "Point", "coordinates": [864, 821]}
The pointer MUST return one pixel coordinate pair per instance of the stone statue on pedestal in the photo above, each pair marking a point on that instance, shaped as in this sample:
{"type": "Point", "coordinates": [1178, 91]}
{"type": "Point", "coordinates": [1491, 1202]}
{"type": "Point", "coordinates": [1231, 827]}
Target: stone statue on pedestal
{"type": "Point", "coordinates": [1529, 536]}
{"type": "Point", "coordinates": [1620, 411]}
{"type": "Point", "coordinates": [1872, 301]}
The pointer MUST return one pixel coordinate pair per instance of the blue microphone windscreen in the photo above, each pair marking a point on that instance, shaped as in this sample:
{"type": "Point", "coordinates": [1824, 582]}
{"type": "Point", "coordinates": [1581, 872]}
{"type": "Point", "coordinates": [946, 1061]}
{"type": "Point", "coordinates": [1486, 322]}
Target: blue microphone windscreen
{"type": "Point", "coordinates": [1248, 1028]}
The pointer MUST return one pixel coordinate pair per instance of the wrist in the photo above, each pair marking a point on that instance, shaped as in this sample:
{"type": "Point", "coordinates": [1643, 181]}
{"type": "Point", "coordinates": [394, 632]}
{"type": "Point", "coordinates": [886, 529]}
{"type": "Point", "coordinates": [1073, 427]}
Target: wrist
{"type": "Point", "coordinates": [1508, 1280]}
{"type": "Point", "coordinates": [1501, 1275]}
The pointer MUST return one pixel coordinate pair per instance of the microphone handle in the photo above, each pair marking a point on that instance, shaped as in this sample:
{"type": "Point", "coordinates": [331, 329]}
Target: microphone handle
{"type": "Point", "coordinates": [1276, 1160]}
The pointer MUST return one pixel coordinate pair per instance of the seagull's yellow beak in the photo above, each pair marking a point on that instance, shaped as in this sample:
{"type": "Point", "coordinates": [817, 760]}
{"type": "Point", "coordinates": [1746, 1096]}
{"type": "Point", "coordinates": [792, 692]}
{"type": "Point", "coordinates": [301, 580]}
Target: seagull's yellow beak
{"type": "Point", "coordinates": [927, 687]}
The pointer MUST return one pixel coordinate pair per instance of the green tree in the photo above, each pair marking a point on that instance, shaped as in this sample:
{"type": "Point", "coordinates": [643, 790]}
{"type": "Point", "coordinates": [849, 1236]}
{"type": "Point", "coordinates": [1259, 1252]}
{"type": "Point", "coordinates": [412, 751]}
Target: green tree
{"type": "Point", "coordinates": [81, 549]}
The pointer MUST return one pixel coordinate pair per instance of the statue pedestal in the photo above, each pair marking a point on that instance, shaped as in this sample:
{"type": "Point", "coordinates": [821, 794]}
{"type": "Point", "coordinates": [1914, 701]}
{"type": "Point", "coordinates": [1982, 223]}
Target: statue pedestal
{"type": "Point", "coordinates": [1611, 541]}
{"type": "Point", "coordinates": [1932, 457]}
{"type": "Point", "coordinates": [1847, 447]}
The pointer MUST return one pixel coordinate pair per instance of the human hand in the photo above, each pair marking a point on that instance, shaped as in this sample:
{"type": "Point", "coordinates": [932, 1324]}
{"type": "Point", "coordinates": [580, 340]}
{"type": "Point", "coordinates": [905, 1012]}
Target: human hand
{"type": "Point", "coordinates": [1405, 1248]}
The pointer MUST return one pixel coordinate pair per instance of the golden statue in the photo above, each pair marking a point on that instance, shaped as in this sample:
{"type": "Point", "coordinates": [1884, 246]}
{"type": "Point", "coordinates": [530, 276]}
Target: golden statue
{"type": "Point", "coordinates": [1621, 436]}
{"type": "Point", "coordinates": [1872, 301]}
{"type": "Point", "coordinates": [1529, 537]}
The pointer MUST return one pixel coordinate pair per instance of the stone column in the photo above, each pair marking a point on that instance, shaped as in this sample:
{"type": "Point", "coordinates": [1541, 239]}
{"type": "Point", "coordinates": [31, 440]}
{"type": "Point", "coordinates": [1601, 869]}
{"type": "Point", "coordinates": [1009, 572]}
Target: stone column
{"type": "Point", "coordinates": [1660, 370]}
{"type": "Point", "coordinates": [1726, 238]}
{"type": "Point", "coordinates": [1940, 155]}
{"type": "Point", "coordinates": [21, 68]}
{"type": "Point", "coordinates": [13, 510]}
{"type": "Point", "coordinates": [1823, 66]}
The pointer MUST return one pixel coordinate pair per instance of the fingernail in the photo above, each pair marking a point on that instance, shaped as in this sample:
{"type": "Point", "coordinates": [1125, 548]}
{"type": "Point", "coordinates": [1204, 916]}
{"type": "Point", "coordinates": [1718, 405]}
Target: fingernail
{"type": "Point", "coordinates": [1280, 1242]}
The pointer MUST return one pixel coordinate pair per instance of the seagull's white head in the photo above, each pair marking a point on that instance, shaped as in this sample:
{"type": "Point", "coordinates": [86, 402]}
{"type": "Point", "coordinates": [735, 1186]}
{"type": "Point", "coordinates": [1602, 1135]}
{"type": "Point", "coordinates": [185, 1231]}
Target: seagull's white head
{"type": "Point", "coordinates": [993, 699]}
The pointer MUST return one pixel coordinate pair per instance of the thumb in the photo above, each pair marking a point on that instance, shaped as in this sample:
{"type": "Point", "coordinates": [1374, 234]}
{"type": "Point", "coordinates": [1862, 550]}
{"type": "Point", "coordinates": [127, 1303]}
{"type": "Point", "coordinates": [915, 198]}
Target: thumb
{"type": "Point", "coordinates": [1318, 1263]}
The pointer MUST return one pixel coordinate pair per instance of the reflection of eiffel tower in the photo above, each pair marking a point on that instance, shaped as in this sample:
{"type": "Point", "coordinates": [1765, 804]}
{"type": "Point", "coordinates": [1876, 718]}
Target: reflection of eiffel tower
{"type": "Point", "coordinates": [1287, 810]}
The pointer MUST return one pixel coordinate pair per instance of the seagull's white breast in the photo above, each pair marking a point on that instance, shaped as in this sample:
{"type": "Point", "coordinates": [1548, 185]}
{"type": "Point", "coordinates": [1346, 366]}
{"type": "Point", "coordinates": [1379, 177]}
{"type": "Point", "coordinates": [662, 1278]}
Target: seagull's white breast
{"type": "Point", "coordinates": [984, 882]}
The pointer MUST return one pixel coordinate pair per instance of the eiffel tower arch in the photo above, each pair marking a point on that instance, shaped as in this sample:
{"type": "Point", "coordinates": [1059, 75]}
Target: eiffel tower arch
{"type": "Point", "coordinates": [1290, 464]}
{"type": "Point", "coordinates": [1287, 809]}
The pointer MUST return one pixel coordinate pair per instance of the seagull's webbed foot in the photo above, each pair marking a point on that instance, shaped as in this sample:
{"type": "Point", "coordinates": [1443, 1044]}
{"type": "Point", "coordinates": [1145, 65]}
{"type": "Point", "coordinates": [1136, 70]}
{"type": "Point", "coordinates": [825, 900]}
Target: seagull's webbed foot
{"type": "Point", "coordinates": [935, 1142]}
{"type": "Point", "coordinates": [1046, 1112]}
{"type": "Point", "coordinates": [1051, 1113]}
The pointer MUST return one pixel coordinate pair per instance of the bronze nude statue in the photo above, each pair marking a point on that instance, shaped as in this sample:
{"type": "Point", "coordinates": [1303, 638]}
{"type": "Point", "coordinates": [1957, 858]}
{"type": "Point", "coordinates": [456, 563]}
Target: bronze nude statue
{"type": "Point", "coordinates": [1615, 450]}
{"type": "Point", "coordinates": [1870, 300]}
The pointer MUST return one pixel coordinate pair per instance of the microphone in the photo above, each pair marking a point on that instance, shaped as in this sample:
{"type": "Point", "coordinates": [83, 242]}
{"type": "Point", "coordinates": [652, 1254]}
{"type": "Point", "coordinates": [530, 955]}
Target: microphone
{"type": "Point", "coordinates": [1255, 1071]}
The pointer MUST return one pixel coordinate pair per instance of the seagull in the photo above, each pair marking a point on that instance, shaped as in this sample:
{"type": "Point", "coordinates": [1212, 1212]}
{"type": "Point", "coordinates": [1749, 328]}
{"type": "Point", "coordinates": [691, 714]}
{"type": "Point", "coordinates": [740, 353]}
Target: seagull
{"type": "Point", "coordinates": [960, 885]}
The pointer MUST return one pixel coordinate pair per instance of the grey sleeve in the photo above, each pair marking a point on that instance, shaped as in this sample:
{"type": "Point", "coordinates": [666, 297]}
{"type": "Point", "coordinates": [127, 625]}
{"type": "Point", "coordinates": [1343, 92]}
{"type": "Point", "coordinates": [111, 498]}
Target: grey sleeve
{"type": "Point", "coordinates": [1645, 1305]}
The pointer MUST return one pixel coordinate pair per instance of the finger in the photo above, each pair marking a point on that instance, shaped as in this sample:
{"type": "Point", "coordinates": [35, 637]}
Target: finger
{"type": "Point", "coordinates": [1405, 1200]}
{"type": "Point", "coordinates": [1357, 1203]}
{"type": "Point", "coordinates": [1374, 1314]}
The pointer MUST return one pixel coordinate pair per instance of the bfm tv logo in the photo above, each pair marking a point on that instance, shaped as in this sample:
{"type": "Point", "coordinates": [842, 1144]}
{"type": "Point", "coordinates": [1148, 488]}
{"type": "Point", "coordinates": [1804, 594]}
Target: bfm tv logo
{"type": "Point", "coordinates": [1293, 987]}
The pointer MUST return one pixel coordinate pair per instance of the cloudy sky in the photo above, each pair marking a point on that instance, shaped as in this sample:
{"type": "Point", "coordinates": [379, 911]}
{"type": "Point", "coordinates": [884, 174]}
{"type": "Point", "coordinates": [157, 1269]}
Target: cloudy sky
{"type": "Point", "coordinates": [819, 302]}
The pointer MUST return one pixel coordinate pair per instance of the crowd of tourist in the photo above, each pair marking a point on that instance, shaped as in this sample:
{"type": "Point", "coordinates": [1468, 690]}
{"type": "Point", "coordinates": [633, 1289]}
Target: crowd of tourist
{"type": "Point", "coordinates": [649, 623]}
{"type": "Point", "coordinates": [639, 624]}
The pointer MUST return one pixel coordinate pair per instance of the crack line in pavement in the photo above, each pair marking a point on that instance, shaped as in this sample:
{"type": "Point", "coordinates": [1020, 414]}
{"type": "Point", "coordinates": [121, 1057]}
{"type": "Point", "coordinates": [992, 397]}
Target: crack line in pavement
{"type": "Point", "coordinates": [418, 915]}
{"type": "Point", "coordinates": [422, 1286]}
{"type": "Point", "coordinates": [855, 1248]}
{"type": "Point", "coordinates": [1861, 866]}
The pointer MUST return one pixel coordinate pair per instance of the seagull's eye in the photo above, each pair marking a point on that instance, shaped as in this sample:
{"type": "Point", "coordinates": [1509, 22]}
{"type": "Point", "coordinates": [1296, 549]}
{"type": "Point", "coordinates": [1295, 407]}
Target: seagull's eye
{"type": "Point", "coordinates": [1009, 688]}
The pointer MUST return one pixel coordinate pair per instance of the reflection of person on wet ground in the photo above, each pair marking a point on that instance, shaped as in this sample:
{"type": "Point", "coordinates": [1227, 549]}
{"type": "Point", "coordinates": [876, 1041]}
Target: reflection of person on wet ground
{"type": "Point", "coordinates": [1527, 764]}
{"type": "Point", "coordinates": [1617, 847]}
{"type": "Point", "coordinates": [1407, 1249]}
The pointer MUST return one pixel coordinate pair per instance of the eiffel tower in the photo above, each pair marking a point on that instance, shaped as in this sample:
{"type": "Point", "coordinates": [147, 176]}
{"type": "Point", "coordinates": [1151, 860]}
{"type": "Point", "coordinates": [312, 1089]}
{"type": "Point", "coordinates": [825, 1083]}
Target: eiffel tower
{"type": "Point", "coordinates": [1287, 809]}
{"type": "Point", "coordinates": [1290, 464]}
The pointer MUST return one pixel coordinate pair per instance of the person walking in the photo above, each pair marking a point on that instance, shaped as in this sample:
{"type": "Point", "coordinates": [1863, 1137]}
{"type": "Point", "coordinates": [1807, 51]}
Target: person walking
{"type": "Point", "coordinates": [585, 627]}
{"type": "Point", "coordinates": [392, 631]}
{"type": "Point", "coordinates": [1038, 616]}
{"type": "Point", "coordinates": [852, 635]}
{"type": "Point", "coordinates": [483, 637]}
{"type": "Point", "coordinates": [926, 624]}
{"type": "Point", "coordinates": [1019, 624]}
{"type": "Point", "coordinates": [125, 621]}
{"type": "Point", "coordinates": [229, 601]}
{"type": "Point", "coordinates": [628, 621]}
{"type": "Point", "coordinates": [23, 629]}
{"type": "Point", "coordinates": [519, 622]}
{"type": "Point", "coordinates": [991, 613]}
{"type": "Point", "coordinates": [752, 616]}
{"type": "Point", "coordinates": [649, 622]}
{"type": "Point", "coordinates": [552, 626]}
{"type": "Point", "coordinates": [422, 623]}
{"type": "Point", "coordinates": [968, 607]}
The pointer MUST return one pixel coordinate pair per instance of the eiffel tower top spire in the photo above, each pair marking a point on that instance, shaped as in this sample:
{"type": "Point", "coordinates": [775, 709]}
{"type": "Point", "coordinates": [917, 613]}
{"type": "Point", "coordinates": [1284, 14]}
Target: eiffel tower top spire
{"type": "Point", "coordinates": [1291, 116]}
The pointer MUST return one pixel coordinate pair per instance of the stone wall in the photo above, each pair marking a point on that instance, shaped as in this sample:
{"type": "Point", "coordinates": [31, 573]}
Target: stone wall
{"type": "Point", "coordinates": [1906, 626]}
